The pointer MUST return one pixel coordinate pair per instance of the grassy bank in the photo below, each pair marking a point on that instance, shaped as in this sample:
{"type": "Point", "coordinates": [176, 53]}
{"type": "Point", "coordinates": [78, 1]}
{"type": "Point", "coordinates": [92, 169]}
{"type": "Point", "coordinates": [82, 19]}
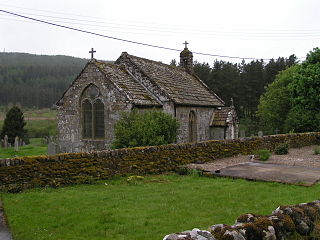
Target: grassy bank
{"type": "Point", "coordinates": [143, 209]}
{"type": "Point", "coordinates": [40, 122]}
{"type": "Point", "coordinates": [32, 113]}
{"type": "Point", "coordinates": [33, 149]}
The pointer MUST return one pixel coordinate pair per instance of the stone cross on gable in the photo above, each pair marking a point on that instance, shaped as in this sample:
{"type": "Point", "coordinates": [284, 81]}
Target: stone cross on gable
{"type": "Point", "coordinates": [185, 44]}
{"type": "Point", "coordinates": [92, 52]}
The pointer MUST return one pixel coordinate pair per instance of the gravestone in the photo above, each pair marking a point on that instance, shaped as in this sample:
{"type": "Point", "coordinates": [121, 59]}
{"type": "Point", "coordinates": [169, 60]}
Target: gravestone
{"type": "Point", "coordinates": [242, 134]}
{"type": "Point", "coordinates": [260, 133]}
{"type": "Point", "coordinates": [52, 148]}
{"type": "Point", "coordinates": [16, 144]}
{"type": "Point", "coordinates": [5, 141]}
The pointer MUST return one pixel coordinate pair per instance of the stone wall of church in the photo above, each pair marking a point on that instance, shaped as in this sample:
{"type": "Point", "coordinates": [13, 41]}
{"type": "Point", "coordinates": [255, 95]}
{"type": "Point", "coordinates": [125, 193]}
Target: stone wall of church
{"type": "Point", "coordinates": [69, 113]}
{"type": "Point", "coordinates": [203, 117]}
{"type": "Point", "coordinates": [218, 133]}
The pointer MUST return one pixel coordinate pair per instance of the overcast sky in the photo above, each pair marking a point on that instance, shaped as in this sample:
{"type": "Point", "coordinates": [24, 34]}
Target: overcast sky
{"type": "Point", "coordinates": [246, 29]}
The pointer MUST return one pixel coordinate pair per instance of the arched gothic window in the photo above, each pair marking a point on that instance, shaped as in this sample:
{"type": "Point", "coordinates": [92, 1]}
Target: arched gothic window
{"type": "Point", "coordinates": [92, 109]}
{"type": "Point", "coordinates": [192, 127]}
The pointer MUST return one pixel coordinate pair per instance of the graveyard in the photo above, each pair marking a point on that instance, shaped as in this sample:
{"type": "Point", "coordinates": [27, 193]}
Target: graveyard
{"type": "Point", "coordinates": [40, 125]}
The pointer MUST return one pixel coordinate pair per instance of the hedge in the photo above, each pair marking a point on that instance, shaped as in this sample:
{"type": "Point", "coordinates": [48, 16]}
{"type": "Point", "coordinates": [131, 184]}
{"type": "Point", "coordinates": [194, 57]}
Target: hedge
{"type": "Point", "coordinates": [72, 168]}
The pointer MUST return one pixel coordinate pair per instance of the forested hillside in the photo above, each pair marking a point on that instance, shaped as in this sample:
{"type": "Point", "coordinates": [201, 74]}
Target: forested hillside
{"type": "Point", "coordinates": [36, 80]}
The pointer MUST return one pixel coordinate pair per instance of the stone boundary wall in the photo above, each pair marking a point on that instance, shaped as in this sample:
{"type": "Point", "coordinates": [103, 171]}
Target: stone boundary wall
{"type": "Point", "coordinates": [71, 168]}
{"type": "Point", "coordinates": [286, 222]}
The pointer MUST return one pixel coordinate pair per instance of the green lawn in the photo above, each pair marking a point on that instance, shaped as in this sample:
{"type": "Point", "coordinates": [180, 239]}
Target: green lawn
{"type": "Point", "coordinates": [34, 148]}
{"type": "Point", "coordinates": [146, 209]}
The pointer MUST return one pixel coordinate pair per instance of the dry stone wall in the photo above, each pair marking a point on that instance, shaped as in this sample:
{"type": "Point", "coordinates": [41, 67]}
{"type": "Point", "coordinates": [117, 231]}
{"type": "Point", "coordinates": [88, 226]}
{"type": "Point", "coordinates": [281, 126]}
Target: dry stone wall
{"type": "Point", "coordinates": [286, 222]}
{"type": "Point", "coordinates": [85, 167]}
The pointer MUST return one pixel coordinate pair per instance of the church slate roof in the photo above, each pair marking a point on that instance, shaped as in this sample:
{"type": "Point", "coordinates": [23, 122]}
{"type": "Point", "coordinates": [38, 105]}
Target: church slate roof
{"type": "Point", "coordinates": [222, 117]}
{"type": "Point", "coordinates": [180, 86]}
{"type": "Point", "coordinates": [134, 91]}
{"type": "Point", "coordinates": [172, 83]}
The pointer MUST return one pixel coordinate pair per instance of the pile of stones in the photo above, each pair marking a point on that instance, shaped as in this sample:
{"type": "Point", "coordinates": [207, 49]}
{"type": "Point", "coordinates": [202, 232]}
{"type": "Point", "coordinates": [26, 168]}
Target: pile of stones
{"type": "Point", "coordinates": [300, 221]}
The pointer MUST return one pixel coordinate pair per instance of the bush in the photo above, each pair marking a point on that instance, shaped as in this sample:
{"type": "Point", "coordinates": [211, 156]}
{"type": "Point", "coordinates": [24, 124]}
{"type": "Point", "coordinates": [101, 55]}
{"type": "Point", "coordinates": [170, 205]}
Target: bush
{"type": "Point", "coordinates": [147, 128]}
{"type": "Point", "coordinates": [317, 150]}
{"type": "Point", "coordinates": [282, 149]}
{"type": "Point", "coordinates": [263, 154]}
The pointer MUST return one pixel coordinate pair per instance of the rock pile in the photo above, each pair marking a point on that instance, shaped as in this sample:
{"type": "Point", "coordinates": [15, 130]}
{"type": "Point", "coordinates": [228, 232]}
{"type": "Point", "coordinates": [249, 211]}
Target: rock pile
{"type": "Point", "coordinates": [300, 221]}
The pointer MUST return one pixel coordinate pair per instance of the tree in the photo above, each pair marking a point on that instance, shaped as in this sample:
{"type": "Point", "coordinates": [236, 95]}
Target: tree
{"type": "Point", "coordinates": [173, 63]}
{"type": "Point", "coordinates": [305, 96]}
{"type": "Point", "coordinates": [14, 125]}
{"type": "Point", "coordinates": [145, 129]}
{"type": "Point", "coordinates": [292, 102]}
{"type": "Point", "coordinates": [275, 102]}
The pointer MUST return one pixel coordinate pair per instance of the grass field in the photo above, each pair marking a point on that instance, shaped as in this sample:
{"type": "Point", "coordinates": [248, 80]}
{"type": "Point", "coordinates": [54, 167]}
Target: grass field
{"type": "Point", "coordinates": [34, 148]}
{"type": "Point", "coordinates": [34, 113]}
{"type": "Point", "coordinates": [145, 209]}
{"type": "Point", "coordinates": [40, 122]}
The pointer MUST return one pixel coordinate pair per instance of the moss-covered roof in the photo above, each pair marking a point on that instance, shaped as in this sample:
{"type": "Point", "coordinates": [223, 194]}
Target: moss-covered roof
{"type": "Point", "coordinates": [126, 83]}
{"type": "Point", "coordinates": [180, 86]}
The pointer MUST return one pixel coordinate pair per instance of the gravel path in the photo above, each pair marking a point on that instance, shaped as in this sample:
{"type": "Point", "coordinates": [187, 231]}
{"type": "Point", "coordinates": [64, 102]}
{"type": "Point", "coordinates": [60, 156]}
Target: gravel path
{"type": "Point", "coordinates": [297, 157]}
{"type": "Point", "coordinates": [4, 231]}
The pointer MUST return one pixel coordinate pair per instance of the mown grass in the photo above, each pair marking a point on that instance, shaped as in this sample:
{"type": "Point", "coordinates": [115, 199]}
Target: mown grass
{"type": "Point", "coordinates": [143, 209]}
{"type": "Point", "coordinates": [33, 149]}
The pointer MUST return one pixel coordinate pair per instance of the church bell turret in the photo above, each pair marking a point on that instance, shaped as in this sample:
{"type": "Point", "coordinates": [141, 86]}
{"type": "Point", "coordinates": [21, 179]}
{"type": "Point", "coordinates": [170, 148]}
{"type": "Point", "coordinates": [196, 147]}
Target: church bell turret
{"type": "Point", "coordinates": [186, 59]}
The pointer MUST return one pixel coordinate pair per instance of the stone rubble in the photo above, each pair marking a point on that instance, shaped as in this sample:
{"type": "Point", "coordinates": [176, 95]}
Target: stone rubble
{"type": "Point", "coordinates": [297, 221]}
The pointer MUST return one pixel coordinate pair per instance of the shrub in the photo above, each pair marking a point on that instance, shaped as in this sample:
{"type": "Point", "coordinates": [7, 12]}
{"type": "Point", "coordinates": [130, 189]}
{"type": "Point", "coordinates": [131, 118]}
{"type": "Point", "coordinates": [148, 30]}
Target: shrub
{"type": "Point", "coordinates": [282, 148]}
{"type": "Point", "coordinates": [147, 128]}
{"type": "Point", "coordinates": [317, 150]}
{"type": "Point", "coordinates": [263, 154]}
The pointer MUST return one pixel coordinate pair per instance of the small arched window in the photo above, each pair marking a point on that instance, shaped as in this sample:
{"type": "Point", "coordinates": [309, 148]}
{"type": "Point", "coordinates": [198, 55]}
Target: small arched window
{"type": "Point", "coordinates": [192, 127]}
{"type": "Point", "coordinates": [92, 109]}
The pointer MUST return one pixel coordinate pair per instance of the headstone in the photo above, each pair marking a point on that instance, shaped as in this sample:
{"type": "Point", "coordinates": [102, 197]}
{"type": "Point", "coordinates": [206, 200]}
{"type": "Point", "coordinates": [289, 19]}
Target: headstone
{"type": "Point", "coordinates": [260, 133]}
{"type": "Point", "coordinates": [16, 144]}
{"type": "Point", "coordinates": [5, 141]}
{"type": "Point", "coordinates": [242, 134]}
{"type": "Point", "coordinates": [52, 148]}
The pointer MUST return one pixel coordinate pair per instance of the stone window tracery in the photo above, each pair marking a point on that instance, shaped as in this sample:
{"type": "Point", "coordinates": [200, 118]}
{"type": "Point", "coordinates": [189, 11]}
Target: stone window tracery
{"type": "Point", "coordinates": [92, 109]}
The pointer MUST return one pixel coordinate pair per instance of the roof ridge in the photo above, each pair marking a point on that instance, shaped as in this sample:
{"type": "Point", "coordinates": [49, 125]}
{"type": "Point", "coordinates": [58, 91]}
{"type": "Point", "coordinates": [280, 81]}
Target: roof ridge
{"type": "Point", "coordinates": [157, 62]}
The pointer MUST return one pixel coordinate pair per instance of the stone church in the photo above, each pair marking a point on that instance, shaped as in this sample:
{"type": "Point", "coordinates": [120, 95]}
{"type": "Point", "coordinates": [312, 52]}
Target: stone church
{"type": "Point", "coordinates": [93, 103]}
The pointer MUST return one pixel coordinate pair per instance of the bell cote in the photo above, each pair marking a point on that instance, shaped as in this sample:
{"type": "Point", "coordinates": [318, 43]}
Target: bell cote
{"type": "Point", "coordinates": [186, 59]}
